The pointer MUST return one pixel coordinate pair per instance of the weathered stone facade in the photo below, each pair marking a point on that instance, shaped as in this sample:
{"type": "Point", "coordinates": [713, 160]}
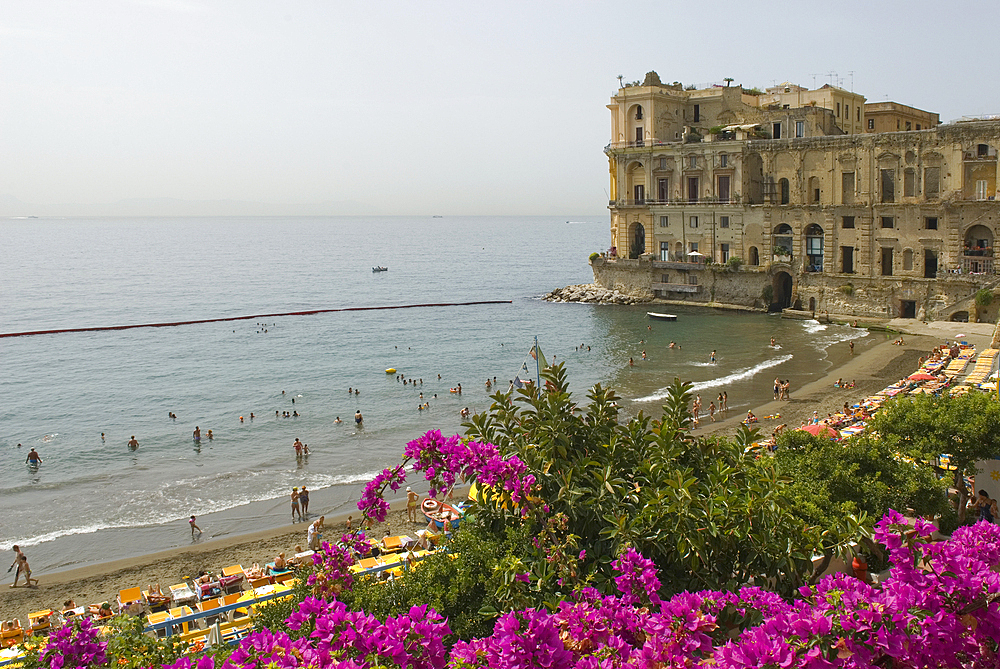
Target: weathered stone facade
{"type": "Point", "coordinates": [897, 224]}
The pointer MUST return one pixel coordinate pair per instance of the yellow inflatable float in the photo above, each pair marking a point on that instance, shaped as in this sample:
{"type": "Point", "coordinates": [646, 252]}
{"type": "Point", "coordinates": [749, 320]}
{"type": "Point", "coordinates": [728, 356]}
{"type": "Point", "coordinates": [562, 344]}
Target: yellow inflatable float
{"type": "Point", "coordinates": [391, 370]}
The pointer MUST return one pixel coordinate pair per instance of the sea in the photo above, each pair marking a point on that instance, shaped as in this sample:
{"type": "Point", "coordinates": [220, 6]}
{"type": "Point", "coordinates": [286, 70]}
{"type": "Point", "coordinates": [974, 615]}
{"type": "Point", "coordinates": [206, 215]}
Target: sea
{"type": "Point", "coordinates": [78, 397]}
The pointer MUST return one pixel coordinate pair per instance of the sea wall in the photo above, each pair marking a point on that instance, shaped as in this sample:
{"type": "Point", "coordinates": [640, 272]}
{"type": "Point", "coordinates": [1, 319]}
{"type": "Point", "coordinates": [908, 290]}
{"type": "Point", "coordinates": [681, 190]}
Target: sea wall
{"type": "Point", "coordinates": [948, 297]}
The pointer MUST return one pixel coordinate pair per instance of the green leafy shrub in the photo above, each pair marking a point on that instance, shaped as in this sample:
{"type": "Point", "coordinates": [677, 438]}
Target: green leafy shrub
{"type": "Point", "coordinates": [734, 263]}
{"type": "Point", "coordinates": [984, 297]}
{"type": "Point", "coordinates": [594, 256]}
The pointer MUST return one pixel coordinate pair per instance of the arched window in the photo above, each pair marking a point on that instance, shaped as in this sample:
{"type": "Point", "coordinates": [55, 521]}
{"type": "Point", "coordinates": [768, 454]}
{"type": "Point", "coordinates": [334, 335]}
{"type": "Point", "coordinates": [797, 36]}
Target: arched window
{"type": "Point", "coordinates": [814, 248]}
{"type": "Point", "coordinates": [783, 186]}
{"type": "Point", "coordinates": [781, 243]}
{"type": "Point", "coordinates": [754, 256]}
{"type": "Point", "coordinates": [638, 112]}
{"type": "Point", "coordinates": [907, 259]}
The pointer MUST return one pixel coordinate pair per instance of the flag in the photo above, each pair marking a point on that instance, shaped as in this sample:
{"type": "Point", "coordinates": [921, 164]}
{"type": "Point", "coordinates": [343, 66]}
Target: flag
{"type": "Point", "coordinates": [527, 374]}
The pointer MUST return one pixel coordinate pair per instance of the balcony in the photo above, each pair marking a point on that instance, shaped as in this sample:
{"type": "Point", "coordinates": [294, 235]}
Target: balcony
{"type": "Point", "coordinates": [979, 252]}
{"type": "Point", "coordinates": [650, 202]}
{"type": "Point", "coordinates": [642, 144]}
{"type": "Point", "coordinates": [676, 287]}
{"type": "Point", "coordinates": [680, 264]}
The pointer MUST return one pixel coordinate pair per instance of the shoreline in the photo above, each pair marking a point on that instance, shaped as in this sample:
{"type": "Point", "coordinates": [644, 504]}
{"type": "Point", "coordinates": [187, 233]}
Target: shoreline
{"type": "Point", "coordinates": [100, 582]}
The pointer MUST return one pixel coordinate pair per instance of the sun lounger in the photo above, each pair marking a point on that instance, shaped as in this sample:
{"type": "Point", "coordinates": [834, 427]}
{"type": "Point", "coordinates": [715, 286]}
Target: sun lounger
{"type": "Point", "coordinates": [13, 635]}
{"type": "Point", "coordinates": [180, 612]}
{"type": "Point", "coordinates": [128, 597]}
{"type": "Point", "coordinates": [40, 621]}
{"type": "Point", "coordinates": [182, 594]}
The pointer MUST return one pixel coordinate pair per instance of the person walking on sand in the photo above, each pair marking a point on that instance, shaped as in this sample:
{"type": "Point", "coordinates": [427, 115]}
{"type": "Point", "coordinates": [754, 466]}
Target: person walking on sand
{"type": "Point", "coordinates": [194, 526]}
{"type": "Point", "coordinates": [777, 388]}
{"type": "Point", "coordinates": [295, 504]}
{"type": "Point", "coordinates": [304, 494]}
{"type": "Point", "coordinates": [133, 444]}
{"type": "Point", "coordinates": [711, 411]}
{"type": "Point", "coordinates": [21, 562]}
{"type": "Point", "coordinates": [411, 505]}
{"type": "Point", "coordinates": [724, 406]}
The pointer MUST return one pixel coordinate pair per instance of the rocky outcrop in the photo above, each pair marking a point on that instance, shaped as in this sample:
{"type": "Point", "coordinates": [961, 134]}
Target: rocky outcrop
{"type": "Point", "coordinates": [591, 292]}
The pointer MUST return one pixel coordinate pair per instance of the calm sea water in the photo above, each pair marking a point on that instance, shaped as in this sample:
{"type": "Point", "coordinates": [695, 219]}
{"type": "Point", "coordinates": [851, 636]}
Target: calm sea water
{"type": "Point", "coordinates": [92, 499]}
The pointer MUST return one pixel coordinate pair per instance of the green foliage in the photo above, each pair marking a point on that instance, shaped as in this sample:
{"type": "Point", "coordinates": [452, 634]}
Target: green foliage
{"type": "Point", "coordinates": [271, 614]}
{"type": "Point", "coordinates": [595, 255]}
{"type": "Point", "coordinates": [767, 294]}
{"type": "Point", "coordinates": [130, 648]}
{"type": "Point", "coordinates": [923, 426]}
{"type": "Point", "coordinates": [830, 482]}
{"type": "Point", "coordinates": [846, 289]}
{"type": "Point", "coordinates": [705, 513]}
{"type": "Point", "coordinates": [460, 584]}
{"type": "Point", "coordinates": [984, 297]}
{"type": "Point", "coordinates": [734, 263]}
{"type": "Point", "coordinates": [715, 129]}
{"type": "Point", "coordinates": [753, 91]}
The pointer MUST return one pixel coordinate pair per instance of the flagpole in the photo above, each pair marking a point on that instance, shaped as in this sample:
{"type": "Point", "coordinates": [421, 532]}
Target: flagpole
{"type": "Point", "coordinates": [538, 372]}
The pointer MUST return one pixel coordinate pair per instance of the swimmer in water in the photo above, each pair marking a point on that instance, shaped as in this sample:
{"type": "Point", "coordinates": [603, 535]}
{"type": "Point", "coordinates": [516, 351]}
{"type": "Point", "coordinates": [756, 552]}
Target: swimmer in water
{"type": "Point", "coordinates": [210, 435]}
{"type": "Point", "coordinates": [133, 444]}
{"type": "Point", "coordinates": [33, 459]}
{"type": "Point", "coordinates": [711, 358]}
{"type": "Point", "coordinates": [338, 421]}
{"type": "Point", "coordinates": [773, 342]}
{"type": "Point", "coordinates": [197, 431]}
{"type": "Point", "coordinates": [358, 418]}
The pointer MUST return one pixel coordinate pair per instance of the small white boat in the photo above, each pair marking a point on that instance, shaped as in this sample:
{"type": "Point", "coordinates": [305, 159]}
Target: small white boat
{"type": "Point", "coordinates": [661, 317]}
{"type": "Point", "coordinates": [380, 269]}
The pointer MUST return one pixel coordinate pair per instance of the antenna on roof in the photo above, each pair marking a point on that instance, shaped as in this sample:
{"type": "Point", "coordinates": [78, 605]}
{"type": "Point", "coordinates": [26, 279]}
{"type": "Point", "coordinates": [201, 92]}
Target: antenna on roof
{"type": "Point", "coordinates": [833, 77]}
{"type": "Point", "coordinates": [814, 80]}
{"type": "Point", "coordinates": [852, 80]}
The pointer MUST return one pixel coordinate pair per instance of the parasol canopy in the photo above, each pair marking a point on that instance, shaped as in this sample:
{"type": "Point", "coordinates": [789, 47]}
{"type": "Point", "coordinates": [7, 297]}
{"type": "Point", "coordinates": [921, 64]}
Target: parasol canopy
{"type": "Point", "coordinates": [818, 430]}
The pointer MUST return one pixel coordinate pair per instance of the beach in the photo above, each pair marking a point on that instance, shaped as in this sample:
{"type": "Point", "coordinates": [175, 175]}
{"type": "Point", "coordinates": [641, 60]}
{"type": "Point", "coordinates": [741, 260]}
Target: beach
{"type": "Point", "coordinates": [101, 582]}
{"type": "Point", "coordinates": [871, 370]}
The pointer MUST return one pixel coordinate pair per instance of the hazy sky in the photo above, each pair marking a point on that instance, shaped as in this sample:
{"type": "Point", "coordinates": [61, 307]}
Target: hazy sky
{"type": "Point", "coordinates": [418, 107]}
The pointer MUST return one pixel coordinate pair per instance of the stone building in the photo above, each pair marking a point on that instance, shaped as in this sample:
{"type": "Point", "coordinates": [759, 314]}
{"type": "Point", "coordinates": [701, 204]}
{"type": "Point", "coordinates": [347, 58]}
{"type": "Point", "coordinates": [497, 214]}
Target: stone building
{"type": "Point", "coordinates": [893, 117]}
{"type": "Point", "coordinates": [723, 195]}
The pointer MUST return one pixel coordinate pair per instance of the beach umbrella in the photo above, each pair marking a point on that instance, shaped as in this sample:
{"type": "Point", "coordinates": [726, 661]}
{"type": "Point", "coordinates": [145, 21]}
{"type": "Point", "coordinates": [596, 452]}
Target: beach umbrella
{"type": "Point", "coordinates": [922, 376]}
{"type": "Point", "coordinates": [695, 253]}
{"type": "Point", "coordinates": [818, 430]}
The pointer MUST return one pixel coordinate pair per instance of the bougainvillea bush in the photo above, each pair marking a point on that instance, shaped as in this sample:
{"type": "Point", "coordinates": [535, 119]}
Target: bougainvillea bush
{"type": "Point", "coordinates": [937, 608]}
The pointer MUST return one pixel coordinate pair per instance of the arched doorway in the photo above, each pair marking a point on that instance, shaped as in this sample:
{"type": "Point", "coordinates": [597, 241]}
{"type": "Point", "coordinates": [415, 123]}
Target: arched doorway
{"type": "Point", "coordinates": [754, 256]}
{"type": "Point", "coordinates": [782, 287]}
{"type": "Point", "coordinates": [637, 240]}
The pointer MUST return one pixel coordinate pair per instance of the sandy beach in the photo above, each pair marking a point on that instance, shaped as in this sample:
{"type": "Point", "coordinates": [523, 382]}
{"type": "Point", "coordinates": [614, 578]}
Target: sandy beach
{"type": "Point", "coordinates": [871, 371]}
{"type": "Point", "coordinates": [101, 582]}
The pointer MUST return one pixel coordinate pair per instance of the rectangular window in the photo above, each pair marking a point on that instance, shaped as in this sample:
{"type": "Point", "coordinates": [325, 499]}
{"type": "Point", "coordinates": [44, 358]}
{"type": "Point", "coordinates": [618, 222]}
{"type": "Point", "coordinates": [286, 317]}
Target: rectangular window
{"type": "Point", "coordinates": [888, 185]}
{"type": "Point", "coordinates": [694, 246]}
{"type": "Point", "coordinates": [838, 110]}
{"type": "Point", "coordinates": [692, 189]}
{"type": "Point", "coordinates": [847, 222]}
{"type": "Point", "coordinates": [776, 131]}
{"type": "Point", "coordinates": [886, 262]}
{"type": "Point", "coordinates": [663, 189]}
{"type": "Point", "coordinates": [723, 189]}
{"type": "Point", "coordinates": [693, 222]}
{"type": "Point", "coordinates": [909, 126]}
{"type": "Point", "coordinates": [932, 181]}
{"type": "Point", "coordinates": [663, 163]}
{"type": "Point", "coordinates": [697, 112]}
{"type": "Point", "coordinates": [871, 124]}
{"type": "Point", "coordinates": [693, 162]}
{"type": "Point", "coordinates": [723, 160]}
{"type": "Point", "coordinates": [725, 252]}
{"type": "Point", "coordinates": [909, 183]}
{"type": "Point", "coordinates": [918, 126]}
{"type": "Point", "coordinates": [723, 221]}
{"type": "Point", "coordinates": [930, 223]}
{"type": "Point", "coordinates": [847, 259]}
{"type": "Point", "coordinates": [847, 188]}
{"type": "Point", "coordinates": [664, 254]}
{"type": "Point", "coordinates": [887, 222]}
{"type": "Point", "coordinates": [858, 108]}
{"type": "Point", "coordinates": [982, 190]}
{"type": "Point", "coordinates": [800, 129]}
{"type": "Point", "coordinates": [663, 221]}
{"type": "Point", "coordinates": [640, 193]}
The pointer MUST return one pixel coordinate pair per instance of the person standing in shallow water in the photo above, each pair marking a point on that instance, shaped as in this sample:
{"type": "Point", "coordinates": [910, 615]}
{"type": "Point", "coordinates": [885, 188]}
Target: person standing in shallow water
{"type": "Point", "coordinates": [133, 444]}
{"type": "Point", "coordinates": [358, 418]}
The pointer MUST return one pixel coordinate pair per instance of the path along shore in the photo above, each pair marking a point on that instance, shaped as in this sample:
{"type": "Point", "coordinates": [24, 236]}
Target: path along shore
{"type": "Point", "coordinates": [872, 370]}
